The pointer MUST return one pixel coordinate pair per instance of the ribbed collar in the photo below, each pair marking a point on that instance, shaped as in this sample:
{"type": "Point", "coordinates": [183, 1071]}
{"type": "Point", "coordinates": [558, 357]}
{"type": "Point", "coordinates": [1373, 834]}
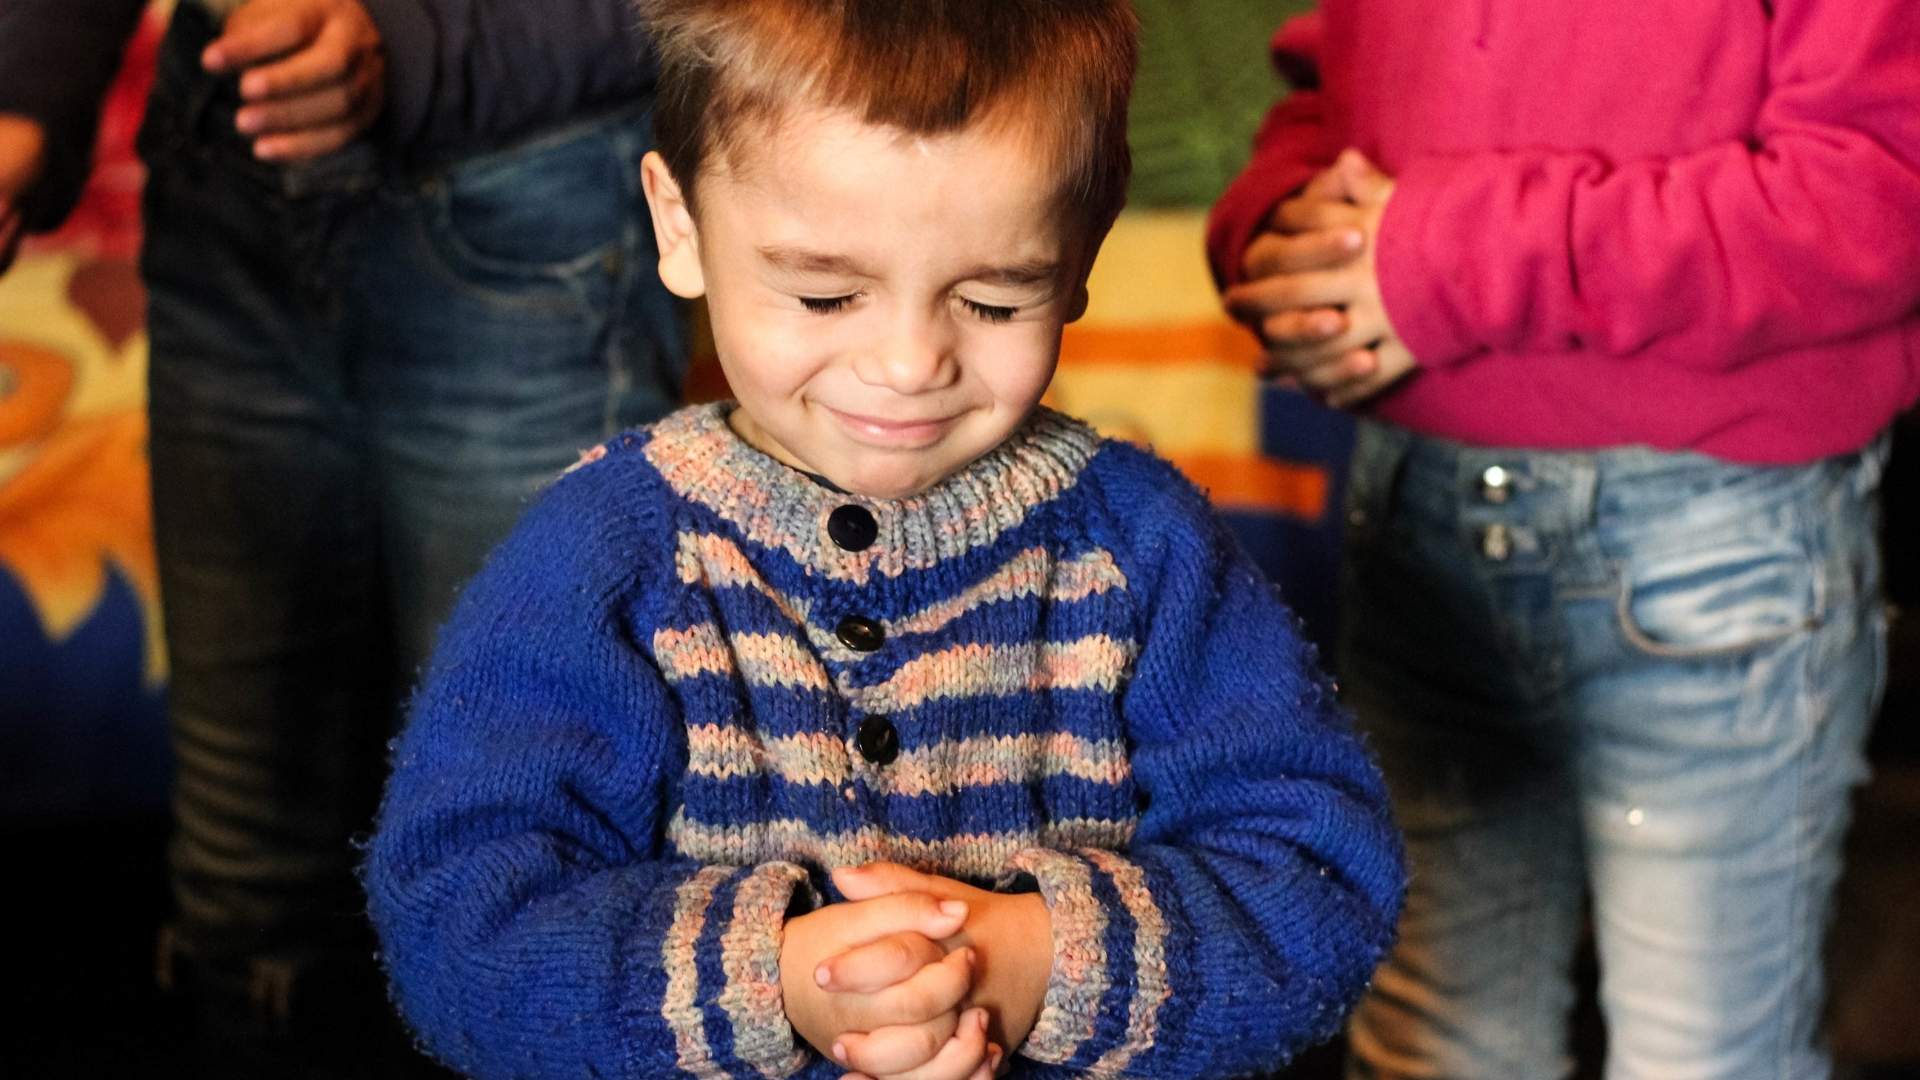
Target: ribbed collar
{"type": "Point", "coordinates": [704, 461]}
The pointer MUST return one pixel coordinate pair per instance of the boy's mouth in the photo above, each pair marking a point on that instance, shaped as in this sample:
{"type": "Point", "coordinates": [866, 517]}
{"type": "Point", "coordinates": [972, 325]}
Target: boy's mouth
{"type": "Point", "coordinates": [892, 432]}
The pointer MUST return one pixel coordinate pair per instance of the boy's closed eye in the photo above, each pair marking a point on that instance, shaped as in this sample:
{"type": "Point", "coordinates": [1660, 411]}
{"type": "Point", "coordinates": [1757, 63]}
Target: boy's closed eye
{"type": "Point", "coordinates": [829, 305]}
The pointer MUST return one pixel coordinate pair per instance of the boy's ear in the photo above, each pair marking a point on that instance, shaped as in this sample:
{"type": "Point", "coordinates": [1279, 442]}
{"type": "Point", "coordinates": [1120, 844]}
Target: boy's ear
{"type": "Point", "coordinates": [1078, 305]}
{"type": "Point", "coordinates": [674, 231]}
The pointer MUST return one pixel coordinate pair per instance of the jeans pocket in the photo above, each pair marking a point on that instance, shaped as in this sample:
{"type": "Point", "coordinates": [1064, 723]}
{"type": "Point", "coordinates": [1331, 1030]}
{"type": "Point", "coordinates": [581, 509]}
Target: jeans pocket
{"type": "Point", "coordinates": [1724, 596]}
{"type": "Point", "coordinates": [546, 225]}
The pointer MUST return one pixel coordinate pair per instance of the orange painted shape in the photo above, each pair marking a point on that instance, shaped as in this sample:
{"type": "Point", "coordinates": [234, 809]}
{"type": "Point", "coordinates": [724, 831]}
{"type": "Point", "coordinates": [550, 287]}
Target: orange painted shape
{"type": "Point", "coordinates": [34, 384]}
{"type": "Point", "coordinates": [1172, 344]}
{"type": "Point", "coordinates": [1259, 484]}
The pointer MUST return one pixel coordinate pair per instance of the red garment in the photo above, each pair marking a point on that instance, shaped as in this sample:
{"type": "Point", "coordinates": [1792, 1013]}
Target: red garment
{"type": "Point", "coordinates": [1691, 224]}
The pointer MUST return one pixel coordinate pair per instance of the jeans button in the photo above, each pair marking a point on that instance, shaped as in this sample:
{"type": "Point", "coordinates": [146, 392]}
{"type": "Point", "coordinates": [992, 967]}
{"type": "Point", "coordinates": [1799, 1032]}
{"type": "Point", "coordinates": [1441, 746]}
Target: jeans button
{"type": "Point", "coordinates": [1496, 543]}
{"type": "Point", "coordinates": [1496, 485]}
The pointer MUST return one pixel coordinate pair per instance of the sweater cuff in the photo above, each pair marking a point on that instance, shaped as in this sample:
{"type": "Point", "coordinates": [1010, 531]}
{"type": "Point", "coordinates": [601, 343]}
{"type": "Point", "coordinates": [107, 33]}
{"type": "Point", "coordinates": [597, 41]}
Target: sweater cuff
{"type": "Point", "coordinates": [1109, 977]}
{"type": "Point", "coordinates": [1413, 290]}
{"type": "Point", "coordinates": [730, 921]}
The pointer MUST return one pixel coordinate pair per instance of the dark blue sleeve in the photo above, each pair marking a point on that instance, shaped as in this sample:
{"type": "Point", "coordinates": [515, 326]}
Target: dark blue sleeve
{"type": "Point", "coordinates": [57, 58]}
{"type": "Point", "coordinates": [1263, 884]}
{"type": "Point", "coordinates": [472, 73]}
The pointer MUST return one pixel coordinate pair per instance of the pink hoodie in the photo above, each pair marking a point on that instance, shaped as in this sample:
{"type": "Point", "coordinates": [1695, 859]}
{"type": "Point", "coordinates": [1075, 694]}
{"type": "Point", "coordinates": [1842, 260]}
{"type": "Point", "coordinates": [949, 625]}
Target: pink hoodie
{"type": "Point", "coordinates": [1691, 224]}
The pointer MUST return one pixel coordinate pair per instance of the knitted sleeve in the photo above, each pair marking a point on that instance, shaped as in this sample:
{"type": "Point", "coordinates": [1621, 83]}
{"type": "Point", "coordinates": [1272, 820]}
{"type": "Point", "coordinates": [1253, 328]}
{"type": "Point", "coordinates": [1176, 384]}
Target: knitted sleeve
{"type": "Point", "coordinates": [1264, 881]}
{"type": "Point", "coordinates": [530, 921]}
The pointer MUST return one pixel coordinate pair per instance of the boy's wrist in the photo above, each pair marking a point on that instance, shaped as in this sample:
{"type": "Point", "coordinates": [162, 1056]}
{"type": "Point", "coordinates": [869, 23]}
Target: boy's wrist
{"type": "Point", "coordinates": [1013, 935]}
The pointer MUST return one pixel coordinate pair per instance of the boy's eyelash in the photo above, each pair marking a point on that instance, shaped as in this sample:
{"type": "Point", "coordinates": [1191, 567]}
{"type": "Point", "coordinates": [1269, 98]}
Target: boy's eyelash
{"type": "Point", "coordinates": [990, 312]}
{"type": "Point", "coordinates": [825, 305]}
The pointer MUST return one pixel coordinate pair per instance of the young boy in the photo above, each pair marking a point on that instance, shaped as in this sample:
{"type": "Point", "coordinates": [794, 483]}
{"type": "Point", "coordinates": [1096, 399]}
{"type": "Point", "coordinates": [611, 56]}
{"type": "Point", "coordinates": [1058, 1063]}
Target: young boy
{"type": "Point", "coordinates": [882, 719]}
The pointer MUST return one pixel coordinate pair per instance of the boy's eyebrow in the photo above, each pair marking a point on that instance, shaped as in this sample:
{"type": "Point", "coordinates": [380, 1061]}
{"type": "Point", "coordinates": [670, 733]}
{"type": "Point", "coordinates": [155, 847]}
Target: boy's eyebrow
{"type": "Point", "coordinates": [1020, 273]}
{"type": "Point", "coordinates": [802, 261]}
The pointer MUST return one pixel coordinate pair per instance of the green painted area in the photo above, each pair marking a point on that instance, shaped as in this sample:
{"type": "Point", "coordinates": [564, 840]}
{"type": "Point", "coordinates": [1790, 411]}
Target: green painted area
{"type": "Point", "coordinates": [1204, 84]}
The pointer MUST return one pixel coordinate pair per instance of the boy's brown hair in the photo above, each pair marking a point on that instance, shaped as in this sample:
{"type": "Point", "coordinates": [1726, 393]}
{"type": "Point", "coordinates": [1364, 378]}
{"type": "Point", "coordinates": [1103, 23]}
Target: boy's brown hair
{"type": "Point", "coordinates": [1064, 68]}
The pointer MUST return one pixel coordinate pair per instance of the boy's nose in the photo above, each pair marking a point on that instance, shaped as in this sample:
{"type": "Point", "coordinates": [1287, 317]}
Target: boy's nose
{"type": "Point", "coordinates": [918, 359]}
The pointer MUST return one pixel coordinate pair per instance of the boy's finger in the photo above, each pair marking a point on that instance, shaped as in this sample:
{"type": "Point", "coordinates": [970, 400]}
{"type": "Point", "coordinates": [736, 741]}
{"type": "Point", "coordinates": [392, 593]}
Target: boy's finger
{"type": "Point", "coordinates": [249, 41]}
{"type": "Point", "coordinates": [894, 1049]}
{"type": "Point", "coordinates": [865, 969]}
{"type": "Point", "coordinates": [1284, 253]}
{"type": "Point", "coordinates": [328, 60]}
{"type": "Point", "coordinates": [880, 879]}
{"type": "Point", "coordinates": [918, 912]}
{"type": "Point", "coordinates": [961, 1057]}
{"type": "Point", "coordinates": [934, 990]}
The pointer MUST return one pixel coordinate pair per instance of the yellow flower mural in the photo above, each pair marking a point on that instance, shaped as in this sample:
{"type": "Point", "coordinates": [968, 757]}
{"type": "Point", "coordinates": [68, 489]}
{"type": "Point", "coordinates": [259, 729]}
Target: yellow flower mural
{"type": "Point", "coordinates": [73, 469]}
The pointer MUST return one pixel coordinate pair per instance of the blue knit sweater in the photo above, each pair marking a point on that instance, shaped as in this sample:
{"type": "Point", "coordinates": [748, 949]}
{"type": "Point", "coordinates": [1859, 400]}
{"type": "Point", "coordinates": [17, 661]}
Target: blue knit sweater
{"type": "Point", "coordinates": [693, 681]}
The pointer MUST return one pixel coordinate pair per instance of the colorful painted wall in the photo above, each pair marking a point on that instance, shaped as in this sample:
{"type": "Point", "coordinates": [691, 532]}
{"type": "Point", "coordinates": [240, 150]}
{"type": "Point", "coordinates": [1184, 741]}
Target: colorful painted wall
{"type": "Point", "coordinates": [82, 669]}
{"type": "Point", "coordinates": [81, 663]}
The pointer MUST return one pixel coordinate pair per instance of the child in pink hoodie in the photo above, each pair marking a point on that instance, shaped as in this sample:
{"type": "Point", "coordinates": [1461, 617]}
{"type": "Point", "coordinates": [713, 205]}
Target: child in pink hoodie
{"type": "Point", "coordinates": [1626, 298]}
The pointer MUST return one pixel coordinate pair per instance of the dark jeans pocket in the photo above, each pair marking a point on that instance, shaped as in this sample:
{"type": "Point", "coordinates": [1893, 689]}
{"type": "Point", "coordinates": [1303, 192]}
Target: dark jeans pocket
{"type": "Point", "coordinates": [544, 226]}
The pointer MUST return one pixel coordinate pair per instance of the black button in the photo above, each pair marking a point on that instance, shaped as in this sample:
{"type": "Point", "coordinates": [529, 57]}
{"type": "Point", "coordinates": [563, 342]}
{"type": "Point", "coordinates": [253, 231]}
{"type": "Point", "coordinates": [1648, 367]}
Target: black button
{"type": "Point", "coordinates": [879, 742]}
{"type": "Point", "coordinates": [852, 527]}
{"type": "Point", "coordinates": [859, 633]}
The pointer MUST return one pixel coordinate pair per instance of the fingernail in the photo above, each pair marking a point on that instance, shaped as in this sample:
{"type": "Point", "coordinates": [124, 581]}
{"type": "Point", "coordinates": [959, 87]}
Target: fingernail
{"type": "Point", "coordinates": [993, 1057]}
{"type": "Point", "coordinates": [956, 908]}
{"type": "Point", "coordinates": [253, 86]}
{"type": "Point", "coordinates": [821, 976]}
{"type": "Point", "coordinates": [980, 1019]}
{"type": "Point", "coordinates": [1351, 240]}
{"type": "Point", "coordinates": [840, 1053]}
{"type": "Point", "coordinates": [212, 58]}
{"type": "Point", "coordinates": [245, 122]}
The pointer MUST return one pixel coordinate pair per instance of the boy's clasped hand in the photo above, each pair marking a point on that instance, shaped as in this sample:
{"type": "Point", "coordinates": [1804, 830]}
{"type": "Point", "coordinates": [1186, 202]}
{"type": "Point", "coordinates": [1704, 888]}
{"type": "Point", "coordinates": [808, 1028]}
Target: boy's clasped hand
{"type": "Point", "coordinates": [915, 976]}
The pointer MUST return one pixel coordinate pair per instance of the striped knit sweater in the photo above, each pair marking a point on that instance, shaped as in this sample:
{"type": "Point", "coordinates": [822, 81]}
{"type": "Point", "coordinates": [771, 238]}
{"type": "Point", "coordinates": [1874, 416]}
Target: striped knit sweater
{"type": "Point", "coordinates": [693, 681]}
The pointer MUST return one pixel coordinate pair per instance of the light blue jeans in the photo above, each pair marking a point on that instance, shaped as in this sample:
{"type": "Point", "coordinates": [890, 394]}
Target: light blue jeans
{"type": "Point", "coordinates": [1637, 679]}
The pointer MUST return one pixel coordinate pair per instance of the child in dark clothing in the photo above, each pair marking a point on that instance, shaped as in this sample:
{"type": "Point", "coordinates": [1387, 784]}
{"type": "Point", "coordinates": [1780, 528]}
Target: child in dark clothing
{"type": "Point", "coordinates": [883, 721]}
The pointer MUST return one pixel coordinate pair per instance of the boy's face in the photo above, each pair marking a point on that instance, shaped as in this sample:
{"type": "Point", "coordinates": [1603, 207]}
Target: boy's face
{"type": "Point", "coordinates": [886, 307]}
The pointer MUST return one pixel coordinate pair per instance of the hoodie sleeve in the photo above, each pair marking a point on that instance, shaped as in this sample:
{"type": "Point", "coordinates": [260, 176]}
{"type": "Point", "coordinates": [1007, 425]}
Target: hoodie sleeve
{"type": "Point", "coordinates": [1291, 145]}
{"type": "Point", "coordinates": [57, 58]}
{"type": "Point", "coordinates": [473, 73]}
{"type": "Point", "coordinates": [1807, 232]}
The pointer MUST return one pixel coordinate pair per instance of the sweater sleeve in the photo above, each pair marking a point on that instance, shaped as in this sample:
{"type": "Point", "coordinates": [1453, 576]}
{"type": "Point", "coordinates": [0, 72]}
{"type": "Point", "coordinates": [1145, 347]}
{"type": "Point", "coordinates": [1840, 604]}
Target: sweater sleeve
{"type": "Point", "coordinates": [57, 58]}
{"type": "Point", "coordinates": [1291, 145]}
{"type": "Point", "coordinates": [531, 920]}
{"type": "Point", "coordinates": [1807, 232]}
{"type": "Point", "coordinates": [1264, 881]}
{"type": "Point", "coordinates": [464, 74]}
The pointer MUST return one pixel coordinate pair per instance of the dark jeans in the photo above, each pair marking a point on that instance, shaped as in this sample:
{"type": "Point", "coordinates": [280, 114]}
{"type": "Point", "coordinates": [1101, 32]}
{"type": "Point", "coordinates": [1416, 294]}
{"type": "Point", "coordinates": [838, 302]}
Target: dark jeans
{"type": "Point", "coordinates": [361, 371]}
